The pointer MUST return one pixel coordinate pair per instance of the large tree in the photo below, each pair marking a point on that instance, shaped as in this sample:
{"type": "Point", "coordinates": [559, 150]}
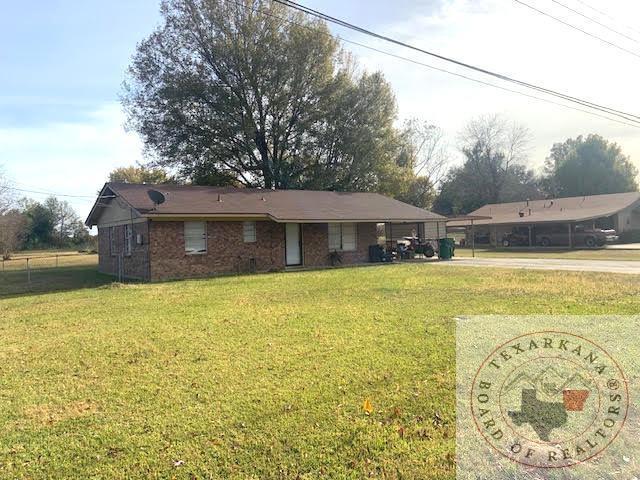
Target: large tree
{"type": "Point", "coordinates": [140, 174]}
{"type": "Point", "coordinates": [52, 223]}
{"type": "Point", "coordinates": [424, 151]}
{"type": "Point", "coordinates": [252, 93]}
{"type": "Point", "coordinates": [588, 166]}
{"type": "Point", "coordinates": [494, 169]}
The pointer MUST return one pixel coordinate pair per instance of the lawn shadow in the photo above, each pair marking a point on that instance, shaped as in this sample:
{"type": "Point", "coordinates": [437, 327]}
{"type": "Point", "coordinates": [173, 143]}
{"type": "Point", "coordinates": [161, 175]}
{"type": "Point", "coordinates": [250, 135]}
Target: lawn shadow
{"type": "Point", "coordinates": [16, 283]}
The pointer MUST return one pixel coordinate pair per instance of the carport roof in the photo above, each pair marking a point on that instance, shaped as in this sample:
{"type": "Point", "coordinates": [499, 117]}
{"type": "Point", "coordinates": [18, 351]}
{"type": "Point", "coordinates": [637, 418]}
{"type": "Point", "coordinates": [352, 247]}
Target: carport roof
{"type": "Point", "coordinates": [188, 201]}
{"type": "Point", "coordinates": [554, 210]}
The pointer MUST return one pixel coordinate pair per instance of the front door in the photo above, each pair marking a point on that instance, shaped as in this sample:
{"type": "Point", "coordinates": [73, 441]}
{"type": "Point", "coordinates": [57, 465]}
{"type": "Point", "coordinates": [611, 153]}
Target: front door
{"type": "Point", "coordinates": [293, 244]}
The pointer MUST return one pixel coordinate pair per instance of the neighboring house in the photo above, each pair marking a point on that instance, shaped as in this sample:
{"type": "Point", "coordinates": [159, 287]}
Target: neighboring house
{"type": "Point", "coordinates": [200, 231]}
{"type": "Point", "coordinates": [618, 211]}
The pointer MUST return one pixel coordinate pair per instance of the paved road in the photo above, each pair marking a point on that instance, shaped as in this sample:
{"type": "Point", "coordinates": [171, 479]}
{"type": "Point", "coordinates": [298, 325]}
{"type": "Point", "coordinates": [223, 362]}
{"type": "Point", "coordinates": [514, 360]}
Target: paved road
{"type": "Point", "coordinates": [608, 266]}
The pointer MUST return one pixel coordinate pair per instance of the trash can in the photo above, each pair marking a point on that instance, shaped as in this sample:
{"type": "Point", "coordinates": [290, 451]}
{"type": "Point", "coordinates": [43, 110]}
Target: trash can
{"type": "Point", "coordinates": [375, 253]}
{"type": "Point", "coordinates": [447, 248]}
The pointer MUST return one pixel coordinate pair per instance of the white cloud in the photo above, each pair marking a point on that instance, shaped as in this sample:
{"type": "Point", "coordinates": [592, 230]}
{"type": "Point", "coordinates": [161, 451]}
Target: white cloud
{"type": "Point", "coordinates": [506, 37]}
{"type": "Point", "coordinates": [69, 158]}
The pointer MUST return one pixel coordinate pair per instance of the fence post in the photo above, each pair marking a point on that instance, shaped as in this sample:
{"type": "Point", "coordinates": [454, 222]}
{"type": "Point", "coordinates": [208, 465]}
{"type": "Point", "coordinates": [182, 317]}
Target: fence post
{"type": "Point", "coordinates": [28, 272]}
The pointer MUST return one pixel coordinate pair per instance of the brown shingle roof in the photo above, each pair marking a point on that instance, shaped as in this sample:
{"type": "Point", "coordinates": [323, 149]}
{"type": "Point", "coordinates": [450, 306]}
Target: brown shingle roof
{"type": "Point", "coordinates": [278, 205]}
{"type": "Point", "coordinates": [570, 209]}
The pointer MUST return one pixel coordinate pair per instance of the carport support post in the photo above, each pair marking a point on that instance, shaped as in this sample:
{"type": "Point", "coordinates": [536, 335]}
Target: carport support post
{"type": "Point", "coordinates": [530, 243]}
{"type": "Point", "coordinates": [473, 239]}
{"type": "Point", "coordinates": [570, 237]}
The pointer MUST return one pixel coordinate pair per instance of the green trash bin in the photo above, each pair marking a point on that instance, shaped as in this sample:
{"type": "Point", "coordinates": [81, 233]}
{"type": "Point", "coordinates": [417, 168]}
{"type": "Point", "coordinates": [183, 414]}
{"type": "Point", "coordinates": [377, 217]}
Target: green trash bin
{"type": "Point", "coordinates": [447, 248]}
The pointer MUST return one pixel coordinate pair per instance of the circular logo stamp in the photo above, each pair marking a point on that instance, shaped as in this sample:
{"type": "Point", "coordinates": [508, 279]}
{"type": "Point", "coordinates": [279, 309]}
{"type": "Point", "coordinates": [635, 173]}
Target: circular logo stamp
{"type": "Point", "coordinates": [549, 399]}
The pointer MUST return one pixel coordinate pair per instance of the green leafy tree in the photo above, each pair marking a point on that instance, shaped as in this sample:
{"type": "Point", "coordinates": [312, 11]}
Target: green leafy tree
{"type": "Point", "coordinates": [40, 224]}
{"type": "Point", "coordinates": [52, 223]}
{"type": "Point", "coordinates": [141, 174]}
{"type": "Point", "coordinates": [588, 166]}
{"type": "Point", "coordinates": [253, 93]}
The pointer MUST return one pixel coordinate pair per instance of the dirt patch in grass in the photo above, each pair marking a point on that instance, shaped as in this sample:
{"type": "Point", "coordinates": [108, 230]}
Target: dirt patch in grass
{"type": "Point", "coordinates": [47, 414]}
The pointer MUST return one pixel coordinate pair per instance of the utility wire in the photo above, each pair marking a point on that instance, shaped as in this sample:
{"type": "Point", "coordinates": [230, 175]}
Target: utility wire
{"type": "Point", "coordinates": [577, 28]}
{"type": "Point", "coordinates": [611, 111]}
{"type": "Point", "coordinates": [50, 193]}
{"type": "Point", "coordinates": [416, 62]}
{"type": "Point", "coordinates": [628, 27]}
{"type": "Point", "coordinates": [595, 21]}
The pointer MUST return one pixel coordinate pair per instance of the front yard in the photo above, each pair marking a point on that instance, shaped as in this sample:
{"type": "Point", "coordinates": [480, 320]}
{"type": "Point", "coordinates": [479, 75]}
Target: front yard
{"type": "Point", "coordinates": [260, 376]}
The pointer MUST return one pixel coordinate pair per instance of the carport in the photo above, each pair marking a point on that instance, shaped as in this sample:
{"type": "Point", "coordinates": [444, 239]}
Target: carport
{"type": "Point", "coordinates": [551, 222]}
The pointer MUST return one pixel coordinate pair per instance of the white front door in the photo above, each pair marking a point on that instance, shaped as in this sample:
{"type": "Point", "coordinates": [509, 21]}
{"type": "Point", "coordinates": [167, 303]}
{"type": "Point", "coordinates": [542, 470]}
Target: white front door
{"type": "Point", "coordinates": [293, 244]}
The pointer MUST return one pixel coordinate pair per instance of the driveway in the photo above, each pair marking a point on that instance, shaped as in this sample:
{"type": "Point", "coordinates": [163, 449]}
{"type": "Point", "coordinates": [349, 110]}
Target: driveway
{"type": "Point", "coordinates": [607, 266]}
{"type": "Point", "coordinates": [623, 246]}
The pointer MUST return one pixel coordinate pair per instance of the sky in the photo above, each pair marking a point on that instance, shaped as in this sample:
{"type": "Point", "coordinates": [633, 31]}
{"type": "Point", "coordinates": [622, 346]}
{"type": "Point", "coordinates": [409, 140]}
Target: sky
{"type": "Point", "coordinates": [62, 64]}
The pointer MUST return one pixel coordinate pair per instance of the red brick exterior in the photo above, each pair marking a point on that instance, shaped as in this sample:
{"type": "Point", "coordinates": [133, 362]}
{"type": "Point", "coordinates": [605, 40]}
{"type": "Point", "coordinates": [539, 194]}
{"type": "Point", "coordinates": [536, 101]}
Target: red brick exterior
{"type": "Point", "coordinates": [162, 255]}
{"type": "Point", "coordinates": [134, 266]}
{"type": "Point", "coordinates": [315, 244]}
{"type": "Point", "coordinates": [226, 250]}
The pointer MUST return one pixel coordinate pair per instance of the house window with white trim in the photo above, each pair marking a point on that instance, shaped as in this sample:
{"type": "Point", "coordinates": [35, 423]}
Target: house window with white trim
{"type": "Point", "coordinates": [249, 232]}
{"type": "Point", "coordinates": [128, 237]}
{"type": "Point", "coordinates": [342, 237]}
{"type": "Point", "coordinates": [195, 237]}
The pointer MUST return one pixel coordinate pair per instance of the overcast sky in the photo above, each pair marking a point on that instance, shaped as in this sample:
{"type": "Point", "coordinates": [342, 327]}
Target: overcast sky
{"type": "Point", "coordinates": [62, 63]}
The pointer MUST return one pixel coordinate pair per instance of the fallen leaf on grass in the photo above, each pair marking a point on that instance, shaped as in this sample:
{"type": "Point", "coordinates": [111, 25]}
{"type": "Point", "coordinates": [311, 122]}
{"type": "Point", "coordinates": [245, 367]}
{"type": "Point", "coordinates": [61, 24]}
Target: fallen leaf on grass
{"type": "Point", "coordinates": [367, 407]}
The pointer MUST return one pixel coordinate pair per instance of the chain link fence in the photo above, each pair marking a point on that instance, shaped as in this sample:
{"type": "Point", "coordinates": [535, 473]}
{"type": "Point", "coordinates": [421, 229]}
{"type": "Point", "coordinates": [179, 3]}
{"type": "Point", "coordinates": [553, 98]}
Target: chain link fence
{"type": "Point", "coordinates": [42, 272]}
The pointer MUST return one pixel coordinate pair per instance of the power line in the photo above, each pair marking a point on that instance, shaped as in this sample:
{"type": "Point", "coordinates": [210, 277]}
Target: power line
{"type": "Point", "coordinates": [577, 28]}
{"type": "Point", "coordinates": [628, 27]}
{"type": "Point", "coordinates": [416, 62]}
{"type": "Point", "coordinates": [595, 21]}
{"type": "Point", "coordinates": [50, 193]}
{"type": "Point", "coordinates": [608, 110]}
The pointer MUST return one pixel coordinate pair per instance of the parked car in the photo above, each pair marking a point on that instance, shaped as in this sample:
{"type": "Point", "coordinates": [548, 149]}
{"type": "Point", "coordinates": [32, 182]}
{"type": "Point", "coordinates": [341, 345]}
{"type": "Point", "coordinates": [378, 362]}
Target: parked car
{"type": "Point", "coordinates": [582, 235]}
{"type": "Point", "coordinates": [482, 238]}
{"type": "Point", "coordinates": [517, 237]}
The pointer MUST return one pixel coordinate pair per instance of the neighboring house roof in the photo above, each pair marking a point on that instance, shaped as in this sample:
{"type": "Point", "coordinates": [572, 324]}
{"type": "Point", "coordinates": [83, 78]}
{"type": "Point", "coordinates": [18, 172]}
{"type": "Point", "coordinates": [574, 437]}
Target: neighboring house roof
{"type": "Point", "coordinates": [182, 201]}
{"type": "Point", "coordinates": [571, 209]}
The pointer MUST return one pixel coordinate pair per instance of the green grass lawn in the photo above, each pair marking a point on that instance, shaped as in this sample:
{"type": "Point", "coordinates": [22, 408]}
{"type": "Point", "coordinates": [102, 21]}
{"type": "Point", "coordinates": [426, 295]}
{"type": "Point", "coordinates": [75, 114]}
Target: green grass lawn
{"type": "Point", "coordinates": [259, 376]}
{"type": "Point", "coordinates": [595, 254]}
{"type": "Point", "coordinates": [73, 271]}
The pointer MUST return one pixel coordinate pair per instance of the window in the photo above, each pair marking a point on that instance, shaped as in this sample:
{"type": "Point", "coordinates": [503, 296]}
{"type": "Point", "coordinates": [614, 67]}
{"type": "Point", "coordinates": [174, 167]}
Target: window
{"type": "Point", "coordinates": [112, 240]}
{"type": "Point", "coordinates": [348, 236]}
{"type": "Point", "coordinates": [335, 237]}
{"type": "Point", "coordinates": [127, 240]}
{"type": "Point", "coordinates": [195, 237]}
{"type": "Point", "coordinates": [342, 236]}
{"type": "Point", "coordinates": [249, 232]}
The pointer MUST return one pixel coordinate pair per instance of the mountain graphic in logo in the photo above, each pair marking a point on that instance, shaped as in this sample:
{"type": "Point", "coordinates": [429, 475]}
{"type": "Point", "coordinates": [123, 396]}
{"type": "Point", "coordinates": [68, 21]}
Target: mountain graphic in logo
{"type": "Point", "coordinates": [550, 381]}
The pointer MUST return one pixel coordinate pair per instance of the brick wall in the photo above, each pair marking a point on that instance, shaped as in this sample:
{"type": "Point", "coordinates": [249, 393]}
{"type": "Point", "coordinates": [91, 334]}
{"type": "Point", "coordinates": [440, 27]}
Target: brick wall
{"type": "Point", "coordinates": [163, 244]}
{"type": "Point", "coordinates": [134, 265]}
{"type": "Point", "coordinates": [226, 250]}
{"type": "Point", "coordinates": [315, 238]}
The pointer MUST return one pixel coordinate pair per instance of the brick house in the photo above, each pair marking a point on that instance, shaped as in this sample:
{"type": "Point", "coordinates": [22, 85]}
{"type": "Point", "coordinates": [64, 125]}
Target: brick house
{"type": "Point", "coordinates": [196, 231]}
